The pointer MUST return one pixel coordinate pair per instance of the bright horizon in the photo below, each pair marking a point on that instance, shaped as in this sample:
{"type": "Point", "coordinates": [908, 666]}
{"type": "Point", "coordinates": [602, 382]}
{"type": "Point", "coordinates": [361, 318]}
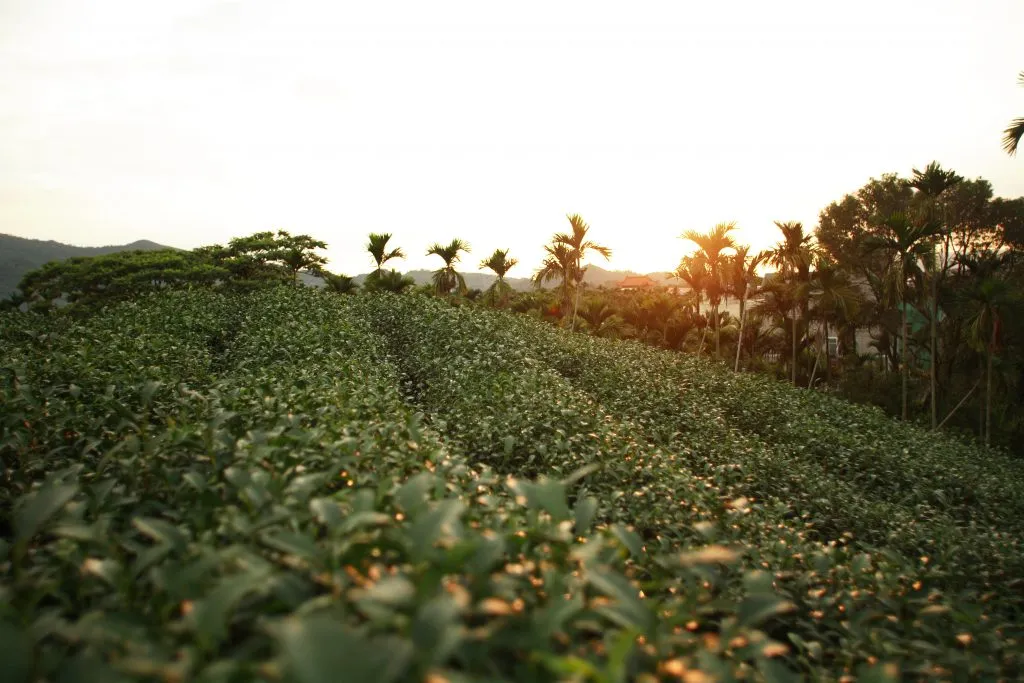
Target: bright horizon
{"type": "Point", "coordinates": [193, 122]}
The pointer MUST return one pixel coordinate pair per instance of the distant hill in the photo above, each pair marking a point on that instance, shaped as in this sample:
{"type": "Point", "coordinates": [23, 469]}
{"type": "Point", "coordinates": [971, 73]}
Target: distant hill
{"type": "Point", "coordinates": [19, 255]}
{"type": "Point", "coordinates": [473, 280]}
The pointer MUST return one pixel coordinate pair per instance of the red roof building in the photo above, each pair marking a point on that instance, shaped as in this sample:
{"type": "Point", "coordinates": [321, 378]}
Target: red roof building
{"type": "Point", "coordinates": [636, 282]}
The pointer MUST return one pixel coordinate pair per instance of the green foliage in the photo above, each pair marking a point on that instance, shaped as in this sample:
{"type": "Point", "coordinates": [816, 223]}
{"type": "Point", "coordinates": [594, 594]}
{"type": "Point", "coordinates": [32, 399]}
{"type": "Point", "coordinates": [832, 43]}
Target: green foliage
{"type": "Point", "coordinates": [335, 282]}
{"type": "Point", "coordinates": [87, 281]}
{"type": "Point", "coordinates": [266, 258]}
{"type": "Point", "coordinates": [287, 484]}
{"type": "Point", "coordinates": [387, 281]}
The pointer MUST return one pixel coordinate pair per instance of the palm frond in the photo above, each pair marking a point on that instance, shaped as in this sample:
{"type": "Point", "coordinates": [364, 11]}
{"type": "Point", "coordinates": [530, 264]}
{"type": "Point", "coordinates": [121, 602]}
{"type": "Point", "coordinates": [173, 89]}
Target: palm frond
{"type": "Point", "coordinates": [499, 262]}
{"type": "Point", "coordinates": [934, 180]}
{"type": "Point", "coordinates": [1012, 136]}
{"type": "Point", "coordinates": [377, 246]}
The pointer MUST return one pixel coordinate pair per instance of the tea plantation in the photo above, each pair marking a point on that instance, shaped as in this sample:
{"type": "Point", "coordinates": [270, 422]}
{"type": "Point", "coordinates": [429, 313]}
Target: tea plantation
{"type": "Point", "coordinates": [291, 485]}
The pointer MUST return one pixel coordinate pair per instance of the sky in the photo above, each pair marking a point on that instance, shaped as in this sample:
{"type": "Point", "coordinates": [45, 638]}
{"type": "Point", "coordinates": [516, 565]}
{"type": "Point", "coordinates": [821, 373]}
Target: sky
{"type": "Point", "coordinates": [189, 122]}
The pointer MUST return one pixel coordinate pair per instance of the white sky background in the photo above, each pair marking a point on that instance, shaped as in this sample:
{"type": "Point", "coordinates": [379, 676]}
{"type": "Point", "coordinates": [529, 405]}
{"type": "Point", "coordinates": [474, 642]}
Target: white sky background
{"type": "Point", "coordinates": [189, 122]}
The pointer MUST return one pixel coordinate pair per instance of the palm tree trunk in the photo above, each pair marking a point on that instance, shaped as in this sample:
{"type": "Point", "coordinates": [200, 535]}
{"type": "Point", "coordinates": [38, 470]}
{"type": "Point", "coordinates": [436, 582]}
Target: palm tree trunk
{"type": "Point", "coordinates": [828, 356]}
{"type": "Point", "coordinates": [988, 387]}
{"type": "Point", "coordinates": [565, 299]}
{"type": "Point", "coordinates": [575, 305]}
{"type": "Point", "coordinates": [814, 368]}
{"type": "Point", "coordinates": [718, 335]}
{"type": "Point", "coordinates": [739, 340]}
{"type": "Point", "coordinates": [903, 361]}
{"type": "Point", "coordinates": [792, 369]}
{"type": "Point", "coordinates": [988, 400]}
{"type": "Point", "coordinates": [932, 379]}
{"type": "Point", "coordinates": [957, 406]}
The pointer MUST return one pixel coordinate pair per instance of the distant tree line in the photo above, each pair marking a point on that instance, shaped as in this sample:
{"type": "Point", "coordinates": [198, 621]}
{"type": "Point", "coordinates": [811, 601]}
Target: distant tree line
{"type": "Point", "coordinates": [906, 295]}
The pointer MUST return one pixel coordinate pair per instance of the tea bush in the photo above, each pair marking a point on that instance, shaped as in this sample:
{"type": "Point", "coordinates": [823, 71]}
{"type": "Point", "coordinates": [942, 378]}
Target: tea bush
{"type": "Point", "coordinates": [290, 485]}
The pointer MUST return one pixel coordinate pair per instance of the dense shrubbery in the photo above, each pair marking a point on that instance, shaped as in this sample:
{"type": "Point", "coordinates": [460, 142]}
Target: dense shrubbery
{"type": "Point", "coordinates": [288, 484]}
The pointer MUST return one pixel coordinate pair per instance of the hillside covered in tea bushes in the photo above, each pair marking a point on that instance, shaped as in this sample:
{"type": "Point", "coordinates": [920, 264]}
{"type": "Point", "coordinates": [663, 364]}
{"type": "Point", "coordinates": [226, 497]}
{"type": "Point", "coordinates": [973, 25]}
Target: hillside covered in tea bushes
{"type": "Point", "coordinates": [290, 485]}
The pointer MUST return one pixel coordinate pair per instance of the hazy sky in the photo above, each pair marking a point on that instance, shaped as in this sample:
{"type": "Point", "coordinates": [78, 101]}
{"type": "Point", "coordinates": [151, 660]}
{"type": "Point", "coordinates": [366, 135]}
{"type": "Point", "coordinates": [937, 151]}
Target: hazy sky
{"type": "Point", "coordinates": [189, 122]}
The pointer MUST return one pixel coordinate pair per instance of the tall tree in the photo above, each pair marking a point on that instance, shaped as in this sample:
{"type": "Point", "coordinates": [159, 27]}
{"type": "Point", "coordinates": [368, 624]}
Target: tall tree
{"type": "Point", "coordinates": [843, 226]}
{"type": "Point", "coordinates": [907, 245]}
{"type": "Point", "coordinates": [693, 270]}
{"type": "Point", "coordinates": [777, 302]}
{"type": "Point", "coordinates": [580, 247]}
{"type": "Point", "coordinates": [711, 246]}
{"type": "Point", "coordinates": [252, 261]}
{"type": "Point", "coordinates": [989, 298]}
{"type": "Point", "coordinates": [297, 253]}
{"type": "Point", "coordinates": [1013, 134]}
{"type": "Point", "coordinates": [559, 264]}
{"type": "Point", "coordinates": [794, 255]}
{"type": "Point", "coordinates": [741, 274]}
{"type": "Point", "coordinates": [931, 184]}
{"type": "Point", "coordinates": [499, 263]}
{"type": "Point", "coordinates": [447, 279]}
{"type": "Point", "coordinates": [834, 300]}
{"type": "Point", "coordinates": [378, 248]}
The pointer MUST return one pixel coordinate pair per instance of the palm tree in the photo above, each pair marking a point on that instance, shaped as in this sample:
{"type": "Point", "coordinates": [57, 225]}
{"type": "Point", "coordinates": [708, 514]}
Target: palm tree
{"type": "Point", "coordinates": [601, 318]}
{"type": "Point", "coordinates": [989, 299]}
{"type": "Point", "coordinates": [693, 271]}
{"type": "Point", "coordinates": [835, 300]}
{"type": "Point", "coordinates": [580, 247]}
{"type": "Point", "coordinates": [711, 245]}
{"type": "Point", "coordinates": [778, 302]}
{"type": "Point", "coordinates": [559, 263]}
{"type": "Point", "coordinates": [907, 245]}
{"type": "Point", "coordinates": [1013, 134]}
{"type": "Point", "coordinates": [335, 282]}
{"type": "Point", "coordinates": [500, 263]}
{"type": "Point", "coordinates": [378, 248]}
{"type": "Point", "coordinates": [794, 256]}
{"type": "Point", "coordinates": [388, 281]}
{"type": "Point", "coordinates": [931, 184]}
{"type": "Point", "coordinates": [447, 279]}
{"type": "Point", "coordinates": [741, 271]}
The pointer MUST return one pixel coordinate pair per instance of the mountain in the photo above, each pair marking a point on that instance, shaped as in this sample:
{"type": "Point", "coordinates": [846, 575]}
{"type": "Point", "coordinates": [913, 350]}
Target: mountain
{"type": "Point", "coordinates": [479, 281]}
{"type": "Point", "coordinates": [19, 255]}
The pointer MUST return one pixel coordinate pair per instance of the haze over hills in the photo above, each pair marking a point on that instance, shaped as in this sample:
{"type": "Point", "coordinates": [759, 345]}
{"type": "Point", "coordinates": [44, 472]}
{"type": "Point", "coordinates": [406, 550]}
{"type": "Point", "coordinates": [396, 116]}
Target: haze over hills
{"type": "Point", "coordinates": [19, 255]}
